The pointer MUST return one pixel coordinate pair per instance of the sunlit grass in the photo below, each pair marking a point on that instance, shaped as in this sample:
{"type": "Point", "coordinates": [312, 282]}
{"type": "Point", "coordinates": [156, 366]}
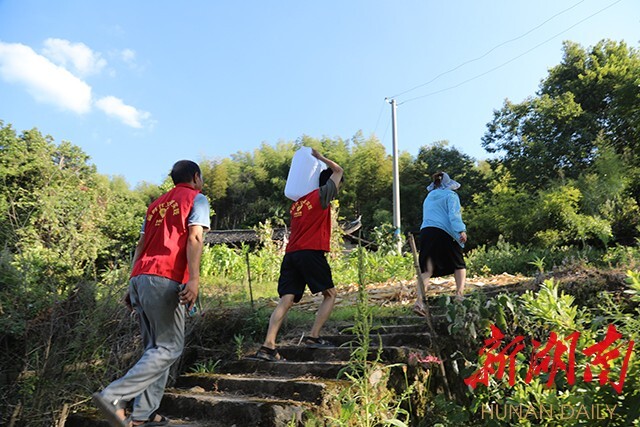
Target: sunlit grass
{"type": "Point", "coordinates": [236, 291]}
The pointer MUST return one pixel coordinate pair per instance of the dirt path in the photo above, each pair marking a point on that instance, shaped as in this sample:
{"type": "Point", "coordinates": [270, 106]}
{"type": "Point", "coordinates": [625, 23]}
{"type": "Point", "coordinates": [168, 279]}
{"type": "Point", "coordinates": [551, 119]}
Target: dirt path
{"type": "Point", "coordinates": [403, 292]}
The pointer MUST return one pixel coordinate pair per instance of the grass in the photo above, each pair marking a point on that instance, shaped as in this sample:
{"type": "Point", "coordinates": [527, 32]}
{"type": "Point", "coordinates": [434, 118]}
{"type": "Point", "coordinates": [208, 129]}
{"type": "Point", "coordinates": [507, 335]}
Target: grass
{"type": "Point", "coordinates": [228, 292]}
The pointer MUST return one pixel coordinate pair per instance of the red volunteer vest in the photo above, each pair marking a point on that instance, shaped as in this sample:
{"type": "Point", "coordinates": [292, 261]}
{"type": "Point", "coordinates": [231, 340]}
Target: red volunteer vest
{"type": "Point", "coordinates": [310, 224]}
{"type": "Point", "coordinates": [165, 235]}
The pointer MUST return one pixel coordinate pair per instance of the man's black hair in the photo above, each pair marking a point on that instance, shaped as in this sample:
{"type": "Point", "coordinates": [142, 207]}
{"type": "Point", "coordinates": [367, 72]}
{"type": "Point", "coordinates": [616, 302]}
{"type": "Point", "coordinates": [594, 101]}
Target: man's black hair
{"type": "Point", "coordinates": [324, 176]}
{"type": "Point", "coordinates": [184, 171]}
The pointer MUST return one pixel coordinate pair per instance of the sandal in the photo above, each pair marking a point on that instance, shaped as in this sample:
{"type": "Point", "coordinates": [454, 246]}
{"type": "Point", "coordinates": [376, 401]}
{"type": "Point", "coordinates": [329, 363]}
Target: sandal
{"type": "Point", "coordinates": [151, 422]}
{"type": "Point", "coordinates": [269, 354]}
{"type": "Point", "coordinates": [313, 342]}
{"type": "Point", "coordinates": [420, 310]}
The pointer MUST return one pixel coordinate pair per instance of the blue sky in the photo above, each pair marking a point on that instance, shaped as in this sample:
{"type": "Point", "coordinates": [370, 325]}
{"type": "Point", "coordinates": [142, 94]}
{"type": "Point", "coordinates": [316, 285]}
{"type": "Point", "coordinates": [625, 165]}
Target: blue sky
{"type": "Point", "coordinates": [140, 84]}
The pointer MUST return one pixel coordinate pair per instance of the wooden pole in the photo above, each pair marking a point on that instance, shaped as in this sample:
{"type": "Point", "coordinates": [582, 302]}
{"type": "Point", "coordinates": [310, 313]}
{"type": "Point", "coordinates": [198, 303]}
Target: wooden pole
{"type": "Point", "coordinates": [416, 264]}
{"type": "Point", "coordinates": [249, 278]}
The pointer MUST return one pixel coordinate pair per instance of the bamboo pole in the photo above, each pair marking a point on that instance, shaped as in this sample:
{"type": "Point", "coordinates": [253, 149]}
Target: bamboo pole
{"type": "Point", "coordinates": [416, 264]}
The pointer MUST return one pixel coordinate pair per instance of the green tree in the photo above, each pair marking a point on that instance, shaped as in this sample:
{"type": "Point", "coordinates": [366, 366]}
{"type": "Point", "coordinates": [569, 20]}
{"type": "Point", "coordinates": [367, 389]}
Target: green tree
{"type": "Point", "coordinates": [61, 222]}
{"type": "Point", "coordinates": [249, 187]}
{"type": "Point", "coordinates": [605, 193]}
{"type": "Point", "coordinates": [559, 222]}
{"type": "Point", "coordinates": [554, 135]}
{"type": "Point", "coordinates": [412, 192]}
{"type": "Point", "coordinates": [124, 211]}
{"type": "Point", "coordinates": [369, 183]}
{"type": "Point", "coordinates": [504, 210]}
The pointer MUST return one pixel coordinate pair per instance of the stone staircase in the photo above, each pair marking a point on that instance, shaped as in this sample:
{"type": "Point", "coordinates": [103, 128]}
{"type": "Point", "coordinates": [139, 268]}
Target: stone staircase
{"type": "Point", "coordinates": [249, 392]}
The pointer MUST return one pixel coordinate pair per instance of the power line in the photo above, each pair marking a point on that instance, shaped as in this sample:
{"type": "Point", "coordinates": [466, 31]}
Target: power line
{"type": "Point", "coordinates": [384, 136]}
{"type": "Point", "coordinates": [488, 52]}
{"type": "Point", "coordinates": [510, 60]}
{"type": "Point", "coordinates": [375, 130]}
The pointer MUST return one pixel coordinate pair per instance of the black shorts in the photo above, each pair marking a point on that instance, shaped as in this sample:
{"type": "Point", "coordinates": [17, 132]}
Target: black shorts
{"type": "Point", "coordinates": [444, 251]}
{"type": "Point", "coordinates": [301, 268]}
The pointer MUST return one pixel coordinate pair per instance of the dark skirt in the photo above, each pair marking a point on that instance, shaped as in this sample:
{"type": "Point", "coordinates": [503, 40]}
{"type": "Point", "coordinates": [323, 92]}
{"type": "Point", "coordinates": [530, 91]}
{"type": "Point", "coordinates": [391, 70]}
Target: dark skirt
{"type": "Point", "coordinates": [444, 251]}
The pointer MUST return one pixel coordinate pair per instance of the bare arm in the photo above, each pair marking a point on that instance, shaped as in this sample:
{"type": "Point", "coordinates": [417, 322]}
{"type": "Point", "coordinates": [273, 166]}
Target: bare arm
{"type": "Point", "coordinates": [336, 176]}
{"type": "Point", "coordinates": [195, 243]}
{"type": "Point", "coordinates": [136, 256]}
{"type": "Point", "coordinates": [138, 250]}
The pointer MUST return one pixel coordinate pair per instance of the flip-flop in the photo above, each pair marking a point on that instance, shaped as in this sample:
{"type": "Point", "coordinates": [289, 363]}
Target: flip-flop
{"type": "Point", "coordinates": [420, 311]}
{"type": "Point", "coordinates": [108, 409]}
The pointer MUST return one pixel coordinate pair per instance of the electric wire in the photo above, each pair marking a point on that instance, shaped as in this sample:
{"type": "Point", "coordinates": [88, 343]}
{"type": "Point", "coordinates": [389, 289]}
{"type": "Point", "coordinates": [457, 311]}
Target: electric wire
{"type": "Point", "coordinates": [379, 115]}
{"type": "Point", "coordinates": [487, 52]}
{"type": "Point", "coordinates": [385, 132]}
{"type": "Point", "coordinates": [510, 60]}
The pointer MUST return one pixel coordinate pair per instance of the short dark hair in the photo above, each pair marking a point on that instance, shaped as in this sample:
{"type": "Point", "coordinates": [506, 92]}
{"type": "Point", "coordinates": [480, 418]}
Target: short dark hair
{"type": "Point", "coordinates": [324, 176]}
{"type": "Point", "coordinates": [184, 171]}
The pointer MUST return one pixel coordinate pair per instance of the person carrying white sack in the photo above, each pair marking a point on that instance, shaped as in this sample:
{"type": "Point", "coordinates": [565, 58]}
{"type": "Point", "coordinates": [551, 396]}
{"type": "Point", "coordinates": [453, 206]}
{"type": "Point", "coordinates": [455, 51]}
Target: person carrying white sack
{"type": "Point", "coordinates": [305, 261]}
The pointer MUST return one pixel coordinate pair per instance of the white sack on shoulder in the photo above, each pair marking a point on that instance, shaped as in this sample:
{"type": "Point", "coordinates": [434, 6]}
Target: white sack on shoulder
{"type": "Point", "coordinates": [303, 175]}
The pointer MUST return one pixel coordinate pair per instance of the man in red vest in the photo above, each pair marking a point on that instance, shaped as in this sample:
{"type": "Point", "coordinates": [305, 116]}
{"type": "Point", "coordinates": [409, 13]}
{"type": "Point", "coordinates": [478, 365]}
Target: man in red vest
{"type": "Point", "coordinates": [164, 283]}
{"type": "Point", "coordinates": [304, 261]}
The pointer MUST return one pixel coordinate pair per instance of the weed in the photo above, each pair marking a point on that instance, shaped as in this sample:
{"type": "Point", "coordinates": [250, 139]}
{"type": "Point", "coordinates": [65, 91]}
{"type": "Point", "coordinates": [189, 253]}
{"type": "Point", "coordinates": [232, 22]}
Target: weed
{"type": "Point", "coordinates": [538, 263]}
{"type": "Point", "coordinates": [238, 340]}
{"type": "Point", "coordinates": [368, 402]}
{"type": "Point", "coordinates": [207, 367]}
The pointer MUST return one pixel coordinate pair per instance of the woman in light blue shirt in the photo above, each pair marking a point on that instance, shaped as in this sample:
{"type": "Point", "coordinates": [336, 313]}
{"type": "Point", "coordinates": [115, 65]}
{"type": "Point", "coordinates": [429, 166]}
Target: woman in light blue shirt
{"type": "Point", "coordinates": [442, 237]}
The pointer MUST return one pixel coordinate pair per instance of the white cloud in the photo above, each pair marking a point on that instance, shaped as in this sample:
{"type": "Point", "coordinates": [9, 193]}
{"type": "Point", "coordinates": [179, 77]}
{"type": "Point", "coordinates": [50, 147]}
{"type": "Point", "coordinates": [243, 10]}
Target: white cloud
{"type": "Point", "coordinates": [54, 84]}
{"type": "Point", "coordinates": [77, 55]}
{"type": "Point", "coordinates": [129, 115]}
{"type": "Point", "coordinates": [128, 56]}
{"type": "Point", "coordinates": [44, 80]}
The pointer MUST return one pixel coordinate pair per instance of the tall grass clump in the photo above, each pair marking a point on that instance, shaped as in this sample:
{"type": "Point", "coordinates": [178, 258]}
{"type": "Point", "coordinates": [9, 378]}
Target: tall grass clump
{"type": "Point", "coordinates": [67, 352]}
{"type": "Point", "coordinates": [367, 401]}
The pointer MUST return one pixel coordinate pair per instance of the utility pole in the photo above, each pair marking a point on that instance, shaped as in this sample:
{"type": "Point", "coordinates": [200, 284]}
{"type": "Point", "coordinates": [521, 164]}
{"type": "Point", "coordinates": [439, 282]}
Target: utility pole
{"type": "Point", "coordinates": [396, 178]}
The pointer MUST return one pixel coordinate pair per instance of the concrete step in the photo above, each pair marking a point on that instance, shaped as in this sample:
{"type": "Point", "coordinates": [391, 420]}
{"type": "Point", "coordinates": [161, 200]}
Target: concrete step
{"type": "Point", "coordinates": [303, 390]}
{"type": "Point", "coordinates": [213, 410]}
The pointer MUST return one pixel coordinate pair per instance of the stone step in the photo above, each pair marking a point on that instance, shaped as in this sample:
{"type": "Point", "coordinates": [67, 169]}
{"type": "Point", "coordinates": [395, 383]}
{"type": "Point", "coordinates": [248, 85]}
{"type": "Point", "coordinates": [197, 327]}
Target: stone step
{"type": "Point", "coordinates": [86, 420]}
{"type": "Point", "coordinates": [392, 329]}
{"type": "Point", "coordinates": [304, 354]}
{"type": "Point", "coordinates": [409, 319]}
{"type": "Point", "coordinates": [213, 410]}
{"type": "Point", "coordinates": [304, 390]}
{"type": "Point", "coordinates": [420, 340]}
{"type": "Point", "coordinates": [284, 369]}
{"type": "Point", "coordinates": [252, 392]}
